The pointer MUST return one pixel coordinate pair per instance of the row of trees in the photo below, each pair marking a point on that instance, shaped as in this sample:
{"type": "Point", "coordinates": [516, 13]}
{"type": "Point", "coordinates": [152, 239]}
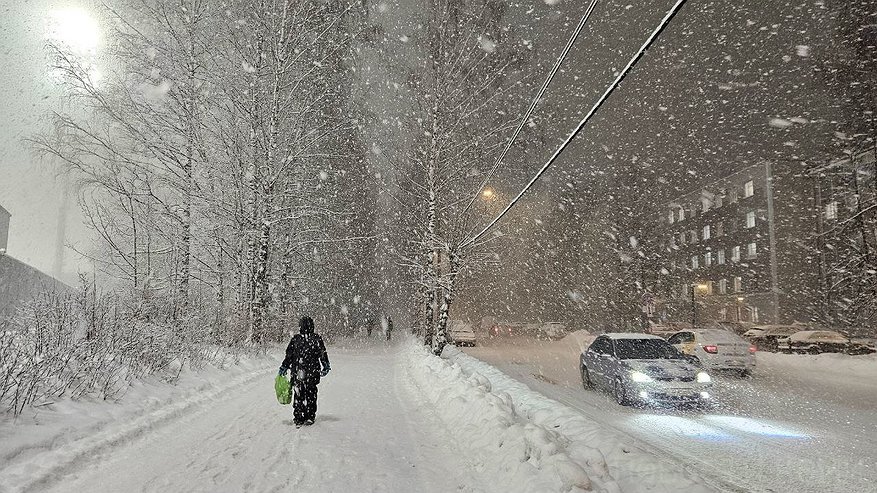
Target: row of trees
{"type": "Point", "coordinates": [220, 158]}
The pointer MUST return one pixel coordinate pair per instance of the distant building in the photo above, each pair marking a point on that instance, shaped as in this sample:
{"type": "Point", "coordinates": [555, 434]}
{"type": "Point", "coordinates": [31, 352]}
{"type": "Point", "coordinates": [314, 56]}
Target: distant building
{"type": "Point", "coordinates": [739, 249]}
{"type": "Point", "coordinates": [20, 282]}
{"type": "Point", "coordinates": [4, 228]}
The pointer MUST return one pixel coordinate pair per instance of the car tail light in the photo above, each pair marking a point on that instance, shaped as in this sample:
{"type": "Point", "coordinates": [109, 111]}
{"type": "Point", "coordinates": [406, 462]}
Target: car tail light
{"type": "Point", "coordinates": [711, 349]}
{"type": "Point", "coordinates": [752, 349]}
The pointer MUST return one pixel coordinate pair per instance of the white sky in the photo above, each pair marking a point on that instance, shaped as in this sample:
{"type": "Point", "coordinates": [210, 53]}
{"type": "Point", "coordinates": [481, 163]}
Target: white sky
{"type": "Point", "coordinates": [31, 190]}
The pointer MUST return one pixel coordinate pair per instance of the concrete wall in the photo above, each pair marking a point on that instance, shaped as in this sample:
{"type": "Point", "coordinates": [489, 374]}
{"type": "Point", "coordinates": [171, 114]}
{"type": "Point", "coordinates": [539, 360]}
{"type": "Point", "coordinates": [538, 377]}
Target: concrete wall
{"type": "Point", "coordinates": [4, 228]}
{"type": "Point", "coordinates": [20, 282]}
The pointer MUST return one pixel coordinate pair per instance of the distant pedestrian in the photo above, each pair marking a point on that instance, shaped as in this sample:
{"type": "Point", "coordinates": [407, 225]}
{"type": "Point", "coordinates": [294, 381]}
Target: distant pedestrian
{"type": "Point", "coordinates": [369, 326]}
{"type": "Point", "coordinates": [307, 360]}
{"type": "Point", "coordinates": [389, 328]}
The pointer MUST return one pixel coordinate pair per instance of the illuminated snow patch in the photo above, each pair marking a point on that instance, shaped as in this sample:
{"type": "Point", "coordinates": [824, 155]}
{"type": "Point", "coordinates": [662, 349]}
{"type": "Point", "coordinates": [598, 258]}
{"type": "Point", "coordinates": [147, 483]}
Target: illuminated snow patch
{"type": "Point", "coordinates": [757, 427]}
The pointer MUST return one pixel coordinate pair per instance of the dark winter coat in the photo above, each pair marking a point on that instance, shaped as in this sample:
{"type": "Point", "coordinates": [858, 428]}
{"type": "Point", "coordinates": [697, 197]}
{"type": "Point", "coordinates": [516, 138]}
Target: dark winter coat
{"type": "Point", "coordinates": [306, 355]}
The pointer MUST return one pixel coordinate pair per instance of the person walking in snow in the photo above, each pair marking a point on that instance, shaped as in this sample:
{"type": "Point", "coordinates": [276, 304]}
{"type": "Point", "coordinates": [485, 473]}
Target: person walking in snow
{"type": "Point", "coordinates": [307, 360]}
{"type": "Point", "coordinates": [369, 326]}
{"type": "Point", "coordinates": [389, 328]}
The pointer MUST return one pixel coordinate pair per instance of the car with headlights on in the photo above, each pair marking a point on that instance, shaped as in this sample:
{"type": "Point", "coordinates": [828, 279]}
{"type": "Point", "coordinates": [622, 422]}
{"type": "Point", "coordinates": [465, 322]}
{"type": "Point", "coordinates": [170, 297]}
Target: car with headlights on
{"type": "Point", "coordinates": [644, 369]}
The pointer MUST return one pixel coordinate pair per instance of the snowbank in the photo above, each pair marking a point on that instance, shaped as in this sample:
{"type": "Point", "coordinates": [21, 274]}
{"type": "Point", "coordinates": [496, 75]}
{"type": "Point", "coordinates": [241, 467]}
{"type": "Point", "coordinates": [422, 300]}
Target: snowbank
{"type": "Point", "coordinates": [515, 453]}
{"type": "Point", "coordinates": [54, 438]}
{"type": "Point", "coordinates": [545, 445]}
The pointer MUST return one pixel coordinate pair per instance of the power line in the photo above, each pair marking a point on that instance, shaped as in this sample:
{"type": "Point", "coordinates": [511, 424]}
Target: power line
{"type": "Point", "coordinates": [639, 54]}
{"type": "Point", "coordinates": [535, 101]}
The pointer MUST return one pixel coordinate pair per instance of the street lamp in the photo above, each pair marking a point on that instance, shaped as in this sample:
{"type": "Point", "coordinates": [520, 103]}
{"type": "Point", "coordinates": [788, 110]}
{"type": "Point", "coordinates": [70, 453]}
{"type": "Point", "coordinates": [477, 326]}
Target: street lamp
{"type": "Point", "coordinates": [488, 194]}
{"type": "Point", "coordinates": [694, 287]}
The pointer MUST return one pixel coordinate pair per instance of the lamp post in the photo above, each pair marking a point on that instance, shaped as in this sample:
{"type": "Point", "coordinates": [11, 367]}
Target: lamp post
{"type": "Point", "coordinates": [694, 288]}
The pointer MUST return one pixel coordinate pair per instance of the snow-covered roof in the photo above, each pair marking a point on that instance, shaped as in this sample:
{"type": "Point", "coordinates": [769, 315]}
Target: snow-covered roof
{"type": "Point", "coordinates": [631, 335]}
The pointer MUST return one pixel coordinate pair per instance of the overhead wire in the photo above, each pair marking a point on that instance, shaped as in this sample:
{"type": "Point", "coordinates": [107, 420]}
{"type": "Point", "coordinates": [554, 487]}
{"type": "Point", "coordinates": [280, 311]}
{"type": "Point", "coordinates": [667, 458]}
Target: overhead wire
{"type": "Point", "coordinates": [639, 54]}
{"type": "Point", "coordinates": [535, 102]}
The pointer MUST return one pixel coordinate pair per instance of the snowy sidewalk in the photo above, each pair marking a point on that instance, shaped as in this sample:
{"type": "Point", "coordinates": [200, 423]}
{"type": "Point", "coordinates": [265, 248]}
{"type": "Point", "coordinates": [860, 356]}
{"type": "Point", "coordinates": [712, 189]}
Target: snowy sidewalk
{"type": "Point", "coordinates": [369, 436]}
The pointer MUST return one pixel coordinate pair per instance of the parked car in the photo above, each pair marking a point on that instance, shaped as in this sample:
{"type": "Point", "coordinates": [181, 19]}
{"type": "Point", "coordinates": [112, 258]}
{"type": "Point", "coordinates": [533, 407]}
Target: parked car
{"type": "Point", "coordinates": [716, 349]}
{"type": "Point", "coordinates": [768, 340]}
{"type": "Point", "coordinates": [815, 342]}
{"type": "Point", "coordinates": [461, 333]}
{"type": "Point", "coordinates": [754, 333]}
{"type": "Point", "coordinates": [643, 369]}
{"type": "Point", "coordinates": [551, 331]}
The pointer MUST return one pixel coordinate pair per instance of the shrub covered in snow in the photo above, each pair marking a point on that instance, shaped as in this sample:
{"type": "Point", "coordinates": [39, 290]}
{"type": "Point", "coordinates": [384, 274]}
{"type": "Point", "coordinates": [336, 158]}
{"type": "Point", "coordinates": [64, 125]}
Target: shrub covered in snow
{"type": "Point", "coordinates": [87, 344]}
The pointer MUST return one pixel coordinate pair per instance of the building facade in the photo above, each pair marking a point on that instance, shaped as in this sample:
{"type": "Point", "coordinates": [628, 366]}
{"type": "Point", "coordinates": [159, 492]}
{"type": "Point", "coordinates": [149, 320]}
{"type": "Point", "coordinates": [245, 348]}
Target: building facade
{"type": "Point", "coordinates": [20, 282]}
{"type": "Point", "coordinates": [737, 250]}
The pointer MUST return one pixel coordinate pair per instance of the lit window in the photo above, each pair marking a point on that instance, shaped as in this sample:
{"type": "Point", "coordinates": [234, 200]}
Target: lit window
{"type": "Point", "coordinates": [707, 259]}
{"type": "Point", "coordinates": [693, 235]}
{"type": "Point", "coordinates": [695, 262]}
{"type": "Point", "coordinates": [751, 251]}
{"type": "Point", "coordinates": [721, 257]}
{"type": "Point", "coordinates": [706, 232]}
{"type": "Point", "coordinates": [738, 284]}
{"type": "Point", "coordinates": [754, 310]}
{"type": "Point", "coordinates": [748, 189]}
{"type": "Point", "coordinates": [681, 214]}
{"type": "Point", "coordinates": [671, 218]}
{"type": "Point", "coordinates": [709, 287]}
{"type": "Point", "coordinates": [682, 238]}
{"type": "Point", "coordinates": [831, 210]}
{"type": "Point", "coordinates": [723, 286]}
{"type": "Point", "coordinates": [735, 254]}
{"type": "Point", "coordinates": [705, 203]}
{"type": "Point", "coordinates": [750, 219]}
{"type": "Point", "coordinates": [723, 314]}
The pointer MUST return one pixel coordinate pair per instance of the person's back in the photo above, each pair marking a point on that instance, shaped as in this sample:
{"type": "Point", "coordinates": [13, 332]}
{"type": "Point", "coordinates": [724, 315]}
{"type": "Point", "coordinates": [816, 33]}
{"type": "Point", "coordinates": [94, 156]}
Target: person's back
{"type": "Point", "coordinates": [307, 359]}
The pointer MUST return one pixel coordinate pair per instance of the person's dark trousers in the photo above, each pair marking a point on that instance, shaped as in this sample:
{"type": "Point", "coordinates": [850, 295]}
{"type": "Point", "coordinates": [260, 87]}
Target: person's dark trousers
{"type": "Point", "coordinates": [305, 401]}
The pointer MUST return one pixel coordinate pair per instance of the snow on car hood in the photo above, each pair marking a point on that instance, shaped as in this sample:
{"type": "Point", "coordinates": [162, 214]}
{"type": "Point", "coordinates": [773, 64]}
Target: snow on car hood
{"type": "Point", "coordinates": [662, 367]}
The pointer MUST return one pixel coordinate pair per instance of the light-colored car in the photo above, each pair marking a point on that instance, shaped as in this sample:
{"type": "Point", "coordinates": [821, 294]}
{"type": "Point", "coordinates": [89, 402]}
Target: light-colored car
{"type": "Point", "coordinates": [772, 333]}
{"type": "Point", "coordinates": [814, 342]}
{"type": "Point", "coordinates": [461, 333]}
{"type": "Point", "coordinates": [754, 333]}
{"type": "Point", "coordinates": [551, 331]}
{"type": "Point", "coordinates": [645, 369]}
{"type": "Point", "coordinates": [717, 349]}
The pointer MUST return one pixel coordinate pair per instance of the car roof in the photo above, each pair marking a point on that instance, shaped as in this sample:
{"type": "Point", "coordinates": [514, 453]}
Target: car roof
{"type": "Point", "coordinates": [630, 335]}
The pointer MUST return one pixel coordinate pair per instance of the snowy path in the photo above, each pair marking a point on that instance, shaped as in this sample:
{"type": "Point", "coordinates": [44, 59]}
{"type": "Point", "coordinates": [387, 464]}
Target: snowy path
{"type": "Point", "coordinates": [369, 436]}
{"type": "Point", "coordinates": [778, 431]}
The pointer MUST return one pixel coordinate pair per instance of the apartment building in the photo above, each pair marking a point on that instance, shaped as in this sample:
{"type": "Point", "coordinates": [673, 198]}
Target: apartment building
{"type": "Point", "coordinates": [737, 250]}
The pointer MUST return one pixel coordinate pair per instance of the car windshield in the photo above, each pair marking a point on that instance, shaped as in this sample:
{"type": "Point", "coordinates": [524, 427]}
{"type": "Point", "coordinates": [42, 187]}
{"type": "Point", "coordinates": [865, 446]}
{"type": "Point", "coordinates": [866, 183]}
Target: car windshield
{"type": "Point", "coordinates": [645, 349]}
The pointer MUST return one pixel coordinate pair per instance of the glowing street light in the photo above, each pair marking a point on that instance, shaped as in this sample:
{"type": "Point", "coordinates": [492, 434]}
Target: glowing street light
{"type": "Point", "coordinates": [76, 29]}
{"type": "Point", "coordinates": [488, 194]}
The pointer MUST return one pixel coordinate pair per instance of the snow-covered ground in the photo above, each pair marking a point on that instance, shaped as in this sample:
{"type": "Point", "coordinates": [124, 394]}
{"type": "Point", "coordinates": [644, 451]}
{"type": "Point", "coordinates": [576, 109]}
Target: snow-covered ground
{"type": "Point", "coordinates": [392, 418]}
{"type": "Point", "coordinates": [801, 423]}
{"type": "Point", "coordinates": [228, 433]}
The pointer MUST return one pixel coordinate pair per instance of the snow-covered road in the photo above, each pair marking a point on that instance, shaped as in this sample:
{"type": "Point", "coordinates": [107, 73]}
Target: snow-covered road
{"type": "Point", "coordinates": [785, 429]}
{"type": "Point", "coordinates": [370, 435]}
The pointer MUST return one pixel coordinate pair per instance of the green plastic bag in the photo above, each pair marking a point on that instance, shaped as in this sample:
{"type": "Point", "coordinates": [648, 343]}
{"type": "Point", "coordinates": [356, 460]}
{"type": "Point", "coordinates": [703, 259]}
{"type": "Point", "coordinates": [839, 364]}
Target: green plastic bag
{"type": "Point", "coordinates": [281, 388]}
